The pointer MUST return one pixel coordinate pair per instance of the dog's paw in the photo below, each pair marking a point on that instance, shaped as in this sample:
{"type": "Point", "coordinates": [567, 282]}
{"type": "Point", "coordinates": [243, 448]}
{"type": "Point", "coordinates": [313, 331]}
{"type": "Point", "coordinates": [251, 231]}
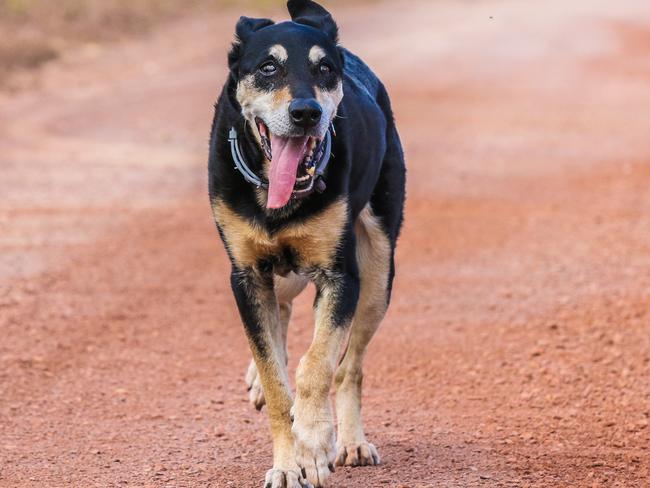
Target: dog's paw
{"type": "Point", "coordinates": [255, 390]}
{"type": "Point", "coordinates": [277, 478]}
{"type": "Point", "coordinates": [314, 442]}
{"type": "Point", "coordinates": [357, 454]}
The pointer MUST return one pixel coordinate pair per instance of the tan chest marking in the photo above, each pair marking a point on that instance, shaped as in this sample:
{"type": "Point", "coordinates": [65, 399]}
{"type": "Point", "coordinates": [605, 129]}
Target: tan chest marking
{"type": "Point", "coordinates": [314, 241]}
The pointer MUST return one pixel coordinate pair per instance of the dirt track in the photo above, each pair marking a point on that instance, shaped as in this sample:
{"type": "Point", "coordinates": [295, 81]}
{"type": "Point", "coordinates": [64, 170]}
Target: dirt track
{"type": "Point", "coordinates": [517, 349]}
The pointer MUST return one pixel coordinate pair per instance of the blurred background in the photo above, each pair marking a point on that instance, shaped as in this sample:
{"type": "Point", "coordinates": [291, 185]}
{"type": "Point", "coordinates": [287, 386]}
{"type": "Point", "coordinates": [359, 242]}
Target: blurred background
{"type": "Point", "coordinates": [38, 31]}
{"type": "Point", "coordinates": [517, 349]}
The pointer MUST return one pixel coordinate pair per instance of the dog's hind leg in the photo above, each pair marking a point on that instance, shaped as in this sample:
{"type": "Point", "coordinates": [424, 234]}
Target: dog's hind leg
{"type": "Point", "coordinates": [286, 289]}
{"type": "Point", "coordinates": [374, 255]}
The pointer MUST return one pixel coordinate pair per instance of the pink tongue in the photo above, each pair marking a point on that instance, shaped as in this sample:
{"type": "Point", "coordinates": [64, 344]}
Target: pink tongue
{"type": "Point", "coordinates": [288, 152]}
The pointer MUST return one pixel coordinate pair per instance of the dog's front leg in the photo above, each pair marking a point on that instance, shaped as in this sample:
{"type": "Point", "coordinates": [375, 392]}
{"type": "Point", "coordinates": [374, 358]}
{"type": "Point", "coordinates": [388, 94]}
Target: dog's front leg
{"type": "Point", "coordinates": [313, 426]}
{"type": "Point", "coordinates": [258, 307]}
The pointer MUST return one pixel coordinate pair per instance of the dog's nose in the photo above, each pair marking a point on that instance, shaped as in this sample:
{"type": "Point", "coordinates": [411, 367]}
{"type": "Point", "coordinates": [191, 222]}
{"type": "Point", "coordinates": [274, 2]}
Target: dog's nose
{"type": "Point", "coordinates": [305, 112]}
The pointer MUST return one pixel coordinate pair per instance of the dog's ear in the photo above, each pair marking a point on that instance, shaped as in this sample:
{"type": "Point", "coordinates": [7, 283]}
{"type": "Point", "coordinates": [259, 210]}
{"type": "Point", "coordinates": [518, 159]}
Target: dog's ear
{"type": "Point", "coordinates": [244, 29]}
{"type": "Point", "coordinates": [310, 13]}
{"type": "Point", "coordinates": [247, 26]}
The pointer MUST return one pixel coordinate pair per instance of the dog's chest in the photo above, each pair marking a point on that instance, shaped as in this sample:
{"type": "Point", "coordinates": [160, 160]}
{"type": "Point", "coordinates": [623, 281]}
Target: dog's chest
{"type": "Point", "coordinates": [311, 243]}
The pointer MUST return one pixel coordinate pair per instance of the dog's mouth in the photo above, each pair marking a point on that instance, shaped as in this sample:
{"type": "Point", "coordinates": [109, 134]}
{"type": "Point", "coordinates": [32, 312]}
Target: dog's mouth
{"type": "Point", "coordinates": [293, 164]}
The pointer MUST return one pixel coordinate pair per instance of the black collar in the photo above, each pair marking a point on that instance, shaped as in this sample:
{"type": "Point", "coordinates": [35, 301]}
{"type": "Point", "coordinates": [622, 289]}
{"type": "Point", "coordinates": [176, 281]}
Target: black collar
{"type": "Point", "coordinates": [323, 156]}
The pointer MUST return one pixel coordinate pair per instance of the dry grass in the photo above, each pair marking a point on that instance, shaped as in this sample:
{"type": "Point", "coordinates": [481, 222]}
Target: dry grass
{"type": "Point", "coordinates": [37, 31]}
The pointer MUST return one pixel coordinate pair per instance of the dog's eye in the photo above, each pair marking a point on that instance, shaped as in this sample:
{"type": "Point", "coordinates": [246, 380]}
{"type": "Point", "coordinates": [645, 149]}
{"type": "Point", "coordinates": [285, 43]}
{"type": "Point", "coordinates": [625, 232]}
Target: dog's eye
{"type": "Point", "coordinates": [268, 69]}
{"type": "Point", "coordinates": [325, 69]}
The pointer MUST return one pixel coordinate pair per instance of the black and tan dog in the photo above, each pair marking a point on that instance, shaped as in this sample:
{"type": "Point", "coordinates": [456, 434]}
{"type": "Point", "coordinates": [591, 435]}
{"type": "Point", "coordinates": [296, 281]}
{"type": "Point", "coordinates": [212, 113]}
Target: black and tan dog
{"type": "Point", "coordinates": [307, 183]}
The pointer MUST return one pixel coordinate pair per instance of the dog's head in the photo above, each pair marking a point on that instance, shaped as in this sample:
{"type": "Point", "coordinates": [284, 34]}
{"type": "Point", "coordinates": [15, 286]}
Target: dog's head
{"type": "Point", "coordinates": [288, 79]}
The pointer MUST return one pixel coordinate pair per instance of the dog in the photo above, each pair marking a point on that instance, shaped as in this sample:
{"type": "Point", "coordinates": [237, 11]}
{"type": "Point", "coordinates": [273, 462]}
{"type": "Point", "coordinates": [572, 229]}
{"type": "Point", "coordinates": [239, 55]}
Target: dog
{"type": "Point", "coordinates": [307, 183]}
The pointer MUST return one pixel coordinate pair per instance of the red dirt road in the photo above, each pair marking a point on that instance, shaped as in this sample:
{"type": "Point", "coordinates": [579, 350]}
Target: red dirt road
{"type": "Point", "coordinates": [517, 349]}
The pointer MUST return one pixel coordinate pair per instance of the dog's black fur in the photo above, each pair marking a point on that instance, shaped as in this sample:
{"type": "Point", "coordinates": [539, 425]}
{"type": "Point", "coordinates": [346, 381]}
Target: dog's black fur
{"type": "Point", "coordinates": [367, 166]}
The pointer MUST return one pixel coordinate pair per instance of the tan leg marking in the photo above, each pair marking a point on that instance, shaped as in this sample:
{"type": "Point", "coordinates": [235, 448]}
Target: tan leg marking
{"type": "Point", "coordinates": [373, 255]}
{"type": "Point", "coordinates": [286, 289]}
{"type": "Point", "coordinates": [313, 426]}
{"type": "Point", "coordinates": [272, 371]}
{"type": "Point", "coordinates": [273, 374]}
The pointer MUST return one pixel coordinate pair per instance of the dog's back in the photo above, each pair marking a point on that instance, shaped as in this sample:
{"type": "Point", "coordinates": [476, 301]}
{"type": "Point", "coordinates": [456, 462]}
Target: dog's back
{"type": "Point", "coordinates": [387, 195]}
{"type": "Point", "coordinates": [360, 74]}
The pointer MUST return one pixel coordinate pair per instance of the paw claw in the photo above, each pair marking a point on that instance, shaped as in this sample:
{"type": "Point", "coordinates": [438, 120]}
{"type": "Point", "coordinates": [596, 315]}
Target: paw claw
{"type": "Point", "coordinates": [362, 454]}
{"type": "Point", "coordinates": [277, 478]}
{"type": "Point", "coordinates": [315, 450]}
